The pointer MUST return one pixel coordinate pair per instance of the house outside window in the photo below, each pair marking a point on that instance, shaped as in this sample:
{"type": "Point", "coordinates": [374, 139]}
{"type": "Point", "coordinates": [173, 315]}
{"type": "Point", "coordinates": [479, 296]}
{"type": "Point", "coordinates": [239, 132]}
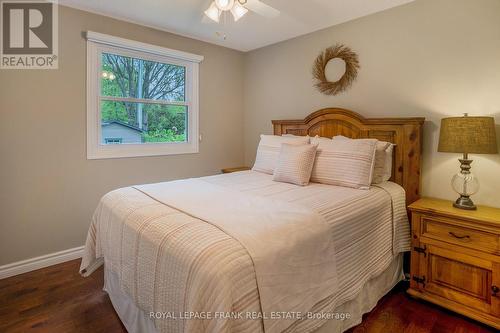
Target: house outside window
{"type": "Point", "coordinates": [115, 131]}
{"type": "Point", "coordinates": [113, 140]}
{"type": "Point", "coordinates": [142, 100]}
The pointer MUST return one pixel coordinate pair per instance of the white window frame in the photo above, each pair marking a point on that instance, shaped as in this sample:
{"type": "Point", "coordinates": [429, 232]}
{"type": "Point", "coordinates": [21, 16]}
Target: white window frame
{"type": "Point", "coordinates": [98, 43]}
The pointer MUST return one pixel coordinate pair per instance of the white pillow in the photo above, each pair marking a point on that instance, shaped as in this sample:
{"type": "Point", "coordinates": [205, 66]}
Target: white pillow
{"type": "Point", "coordinates": [318, 139]}
{"type": "Point", "coordinates": [382, 169]}
{"type": "Point", "coordinates": [269, 149]}
{"type": "Point", "coordinates": [295, 164]}
{"type": "Point", "coordinates": [346, 163]}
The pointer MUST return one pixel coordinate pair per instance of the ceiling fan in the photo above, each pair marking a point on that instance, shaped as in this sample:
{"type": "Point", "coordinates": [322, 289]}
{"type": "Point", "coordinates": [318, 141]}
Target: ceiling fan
{"type": "Point", "coordinates": [239, 8]}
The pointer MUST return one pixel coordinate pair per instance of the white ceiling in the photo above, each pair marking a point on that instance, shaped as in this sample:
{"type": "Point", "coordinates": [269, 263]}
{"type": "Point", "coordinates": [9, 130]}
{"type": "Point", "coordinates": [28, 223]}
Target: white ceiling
{"type": "Point", "coordinates": [185, 17]}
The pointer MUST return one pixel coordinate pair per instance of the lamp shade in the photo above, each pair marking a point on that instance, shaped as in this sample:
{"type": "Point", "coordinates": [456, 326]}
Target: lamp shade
{"type": "Point", "coordinates": [468, 135]}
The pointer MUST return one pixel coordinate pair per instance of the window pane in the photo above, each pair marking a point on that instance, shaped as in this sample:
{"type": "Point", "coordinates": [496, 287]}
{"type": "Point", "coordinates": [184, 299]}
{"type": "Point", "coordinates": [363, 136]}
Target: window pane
{"type": "Point", "coordinates": [130, 77]}
{"type": "Point", "coordinates": [125, 122]}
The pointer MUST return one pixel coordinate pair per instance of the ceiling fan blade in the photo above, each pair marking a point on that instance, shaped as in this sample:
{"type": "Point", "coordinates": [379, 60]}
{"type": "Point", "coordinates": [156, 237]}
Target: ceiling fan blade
{"type": "Point", "coordinates": [262, 9]}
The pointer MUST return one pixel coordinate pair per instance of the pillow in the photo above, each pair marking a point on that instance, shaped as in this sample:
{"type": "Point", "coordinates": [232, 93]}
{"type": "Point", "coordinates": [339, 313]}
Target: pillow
{"type": "Point", "coordinates": [382, 169]}
{"type": "Point", "coordinates": [346, 163]}
{"type": "Point", "coordinates": [295, 164]}
{"type": "Point", "coordinates": [318, 139]}
{"type": "Point", "coordinates": [269, 149]}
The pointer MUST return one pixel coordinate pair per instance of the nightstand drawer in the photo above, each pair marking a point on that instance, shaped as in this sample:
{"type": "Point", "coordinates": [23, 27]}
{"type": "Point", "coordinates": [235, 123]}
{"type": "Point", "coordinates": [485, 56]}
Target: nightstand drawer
{"type": "Point", "coordinates": [439, 229]}
{"type": "Point", "coordinates": [458, 277]}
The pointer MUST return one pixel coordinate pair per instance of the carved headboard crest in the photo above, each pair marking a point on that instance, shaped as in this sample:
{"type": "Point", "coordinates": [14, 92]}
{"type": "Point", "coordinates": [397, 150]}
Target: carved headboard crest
{"type": "Point", "coordinates": [405, 133]}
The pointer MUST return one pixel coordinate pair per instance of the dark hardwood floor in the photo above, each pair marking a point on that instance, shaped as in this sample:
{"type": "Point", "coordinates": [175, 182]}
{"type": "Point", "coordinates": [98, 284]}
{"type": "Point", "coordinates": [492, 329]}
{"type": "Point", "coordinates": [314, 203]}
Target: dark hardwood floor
{"type": "Point", "coordinates": [56, 299]}
{"type": "Point", "coordinates": [398, 312]}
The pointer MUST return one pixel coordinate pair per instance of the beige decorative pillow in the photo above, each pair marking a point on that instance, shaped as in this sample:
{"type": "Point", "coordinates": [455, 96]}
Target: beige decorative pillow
{"type": "Point", "coordinates": [382, 169]}
{"type": "Point", "coordinates": [269, 149]}
{"type": "Point", "coordinates": [295, 163]}
{"type": "Point", "coordinates": [346, 163]}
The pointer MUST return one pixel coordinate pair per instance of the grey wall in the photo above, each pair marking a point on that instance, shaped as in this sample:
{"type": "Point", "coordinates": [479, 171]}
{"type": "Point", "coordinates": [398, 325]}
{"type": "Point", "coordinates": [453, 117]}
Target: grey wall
{"type": "Point", "coordinates": [48, 188]}
{"type": "Point", "coordinates": [430, 58]}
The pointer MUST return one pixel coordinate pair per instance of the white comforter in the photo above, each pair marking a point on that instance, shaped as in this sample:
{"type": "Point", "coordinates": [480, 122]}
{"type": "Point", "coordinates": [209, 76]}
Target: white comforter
{"type": "Point", "coordinates": [292, 252]}
{"type": "Point", "coordinates": [170, 261]}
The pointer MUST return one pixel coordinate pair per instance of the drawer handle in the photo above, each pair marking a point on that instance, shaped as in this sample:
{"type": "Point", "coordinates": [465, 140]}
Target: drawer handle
{"type": "Point", "coordinates": [459, 237]}
{"type": "Point", "coordinates": [494, 290]}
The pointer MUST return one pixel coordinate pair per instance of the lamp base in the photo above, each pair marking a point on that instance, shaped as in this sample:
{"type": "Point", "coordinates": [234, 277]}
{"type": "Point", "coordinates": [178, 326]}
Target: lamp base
{"type": "Point", "coordinates": [464, 202]}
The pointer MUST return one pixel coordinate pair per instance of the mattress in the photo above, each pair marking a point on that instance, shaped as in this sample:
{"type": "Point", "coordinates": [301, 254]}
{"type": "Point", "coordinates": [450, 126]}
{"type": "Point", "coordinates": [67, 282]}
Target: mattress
{"type": "Point", "coordinates": [368, 227]}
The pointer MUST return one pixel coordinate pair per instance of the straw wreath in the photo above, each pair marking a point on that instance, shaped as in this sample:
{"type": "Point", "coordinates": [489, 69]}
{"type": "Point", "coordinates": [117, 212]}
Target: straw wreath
{"type": "Point", "coordinates": [351, 69]}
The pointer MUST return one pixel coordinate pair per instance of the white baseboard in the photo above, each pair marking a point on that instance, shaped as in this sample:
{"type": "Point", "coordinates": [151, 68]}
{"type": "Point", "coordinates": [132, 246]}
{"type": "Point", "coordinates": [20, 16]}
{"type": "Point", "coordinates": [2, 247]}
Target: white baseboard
{"type": "Point", "coordinates": [32, 264]}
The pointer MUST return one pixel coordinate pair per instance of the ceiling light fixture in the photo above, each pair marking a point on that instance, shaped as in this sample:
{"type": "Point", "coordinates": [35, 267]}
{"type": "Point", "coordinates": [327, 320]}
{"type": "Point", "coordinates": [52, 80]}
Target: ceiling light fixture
{"type": "Point", "coordinates": [238, 11]}
{"type": "Point", "coordinates": [213, 12]}
{"type": "Point", "coordinates": [218, 6]}
{"type": "Point", "coordinates": [224, 4]}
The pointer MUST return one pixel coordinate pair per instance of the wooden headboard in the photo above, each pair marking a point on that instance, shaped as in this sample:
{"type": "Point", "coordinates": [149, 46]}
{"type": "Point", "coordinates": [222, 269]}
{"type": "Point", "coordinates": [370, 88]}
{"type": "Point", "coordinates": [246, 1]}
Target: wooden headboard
{"type": "Point", "coordinates": [406, 133]}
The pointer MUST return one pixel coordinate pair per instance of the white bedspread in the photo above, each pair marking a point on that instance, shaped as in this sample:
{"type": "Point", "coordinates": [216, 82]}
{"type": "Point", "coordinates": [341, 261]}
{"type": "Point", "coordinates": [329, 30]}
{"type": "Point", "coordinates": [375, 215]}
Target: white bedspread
{"type": "Point", "coordinates": [289, 244]}
{"type": "Point", "coordinates": [169, 261]}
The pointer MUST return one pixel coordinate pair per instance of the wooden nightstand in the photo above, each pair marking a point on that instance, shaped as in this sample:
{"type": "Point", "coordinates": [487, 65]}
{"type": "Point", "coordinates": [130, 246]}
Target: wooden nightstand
{"type": "Point", "coordinates": [455, 258]}
{"type": "Point", "coordinates": [236, 169]}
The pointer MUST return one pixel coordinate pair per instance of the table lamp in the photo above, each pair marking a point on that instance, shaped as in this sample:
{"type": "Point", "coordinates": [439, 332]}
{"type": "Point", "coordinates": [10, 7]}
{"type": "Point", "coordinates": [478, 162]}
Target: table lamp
{"type": "Point", "coordinates": [467, 135]}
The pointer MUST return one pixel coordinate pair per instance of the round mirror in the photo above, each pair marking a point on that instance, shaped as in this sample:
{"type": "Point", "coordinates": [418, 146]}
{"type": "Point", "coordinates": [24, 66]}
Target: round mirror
{"type": "Point", "coordinates": [334, 69]}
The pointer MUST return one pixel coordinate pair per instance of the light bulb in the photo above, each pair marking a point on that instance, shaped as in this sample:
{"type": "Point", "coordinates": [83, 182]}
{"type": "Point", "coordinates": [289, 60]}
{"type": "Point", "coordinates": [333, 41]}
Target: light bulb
{"type": "Point", "coordinates": [224, 4]}
{"type": "Point", "coordinates": [238, 11]}
{"type": "Point", "coordinates": [213, 12]}
{"type": "Point", "coordinates": [112, 76]}
{"type": "Point", "coordinates": [104, 74]}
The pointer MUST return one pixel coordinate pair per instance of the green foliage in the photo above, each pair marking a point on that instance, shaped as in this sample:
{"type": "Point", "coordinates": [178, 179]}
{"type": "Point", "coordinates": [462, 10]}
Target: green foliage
{"type": "Point", "coordinates": [166, 117]}
{"type": "Point", "coordinates": [114, 111]}
{"type": "Point", "coordinates": [163, 136]}
{"type": "Point", "coordinates": [167, 123]}
{"type": "Point", "coordinates": [109, 87]}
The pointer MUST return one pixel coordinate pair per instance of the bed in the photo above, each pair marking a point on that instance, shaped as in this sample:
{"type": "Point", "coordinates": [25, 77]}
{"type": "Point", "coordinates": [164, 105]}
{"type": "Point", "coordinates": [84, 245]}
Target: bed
{"type": "Point", "coordinates": [168, 269]}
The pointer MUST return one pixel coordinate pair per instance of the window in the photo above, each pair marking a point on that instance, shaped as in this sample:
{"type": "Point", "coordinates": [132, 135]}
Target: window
{"type": "Point", "coordinates": [142, 100]}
